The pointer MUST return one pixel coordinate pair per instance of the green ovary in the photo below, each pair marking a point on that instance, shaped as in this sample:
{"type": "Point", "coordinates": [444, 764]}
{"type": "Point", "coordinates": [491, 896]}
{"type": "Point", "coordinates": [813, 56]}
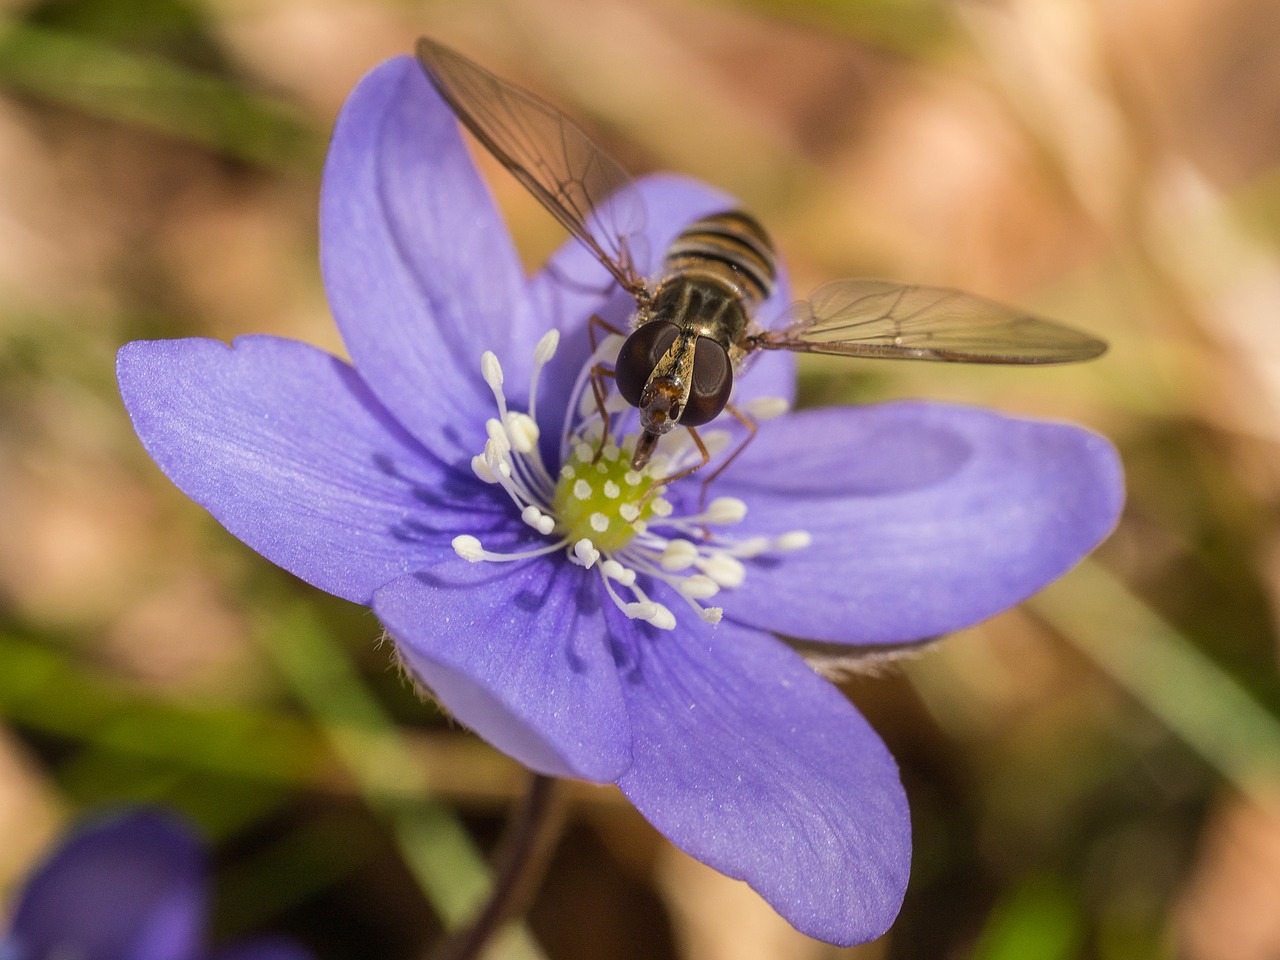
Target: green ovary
{"type": "Point", "coordinates": [604, 501]}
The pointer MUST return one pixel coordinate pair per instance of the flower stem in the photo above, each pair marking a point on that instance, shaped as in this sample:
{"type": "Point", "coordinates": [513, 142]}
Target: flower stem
{"type": "Point", "coordinates": [523, 855]}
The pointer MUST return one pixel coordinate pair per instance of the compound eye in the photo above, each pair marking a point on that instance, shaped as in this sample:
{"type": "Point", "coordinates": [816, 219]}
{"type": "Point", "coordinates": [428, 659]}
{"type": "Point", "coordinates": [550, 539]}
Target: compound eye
{"type": "Point", "coordinates": [712, 383]}
{"type": "Point", "coordinates": [640, 354]}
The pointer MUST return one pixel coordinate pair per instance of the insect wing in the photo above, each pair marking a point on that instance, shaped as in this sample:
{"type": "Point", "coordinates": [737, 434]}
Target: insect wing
{"type": "Point", "coordinates": [877, 318]}
{"type": "Point", "coordinates": [579, 183]}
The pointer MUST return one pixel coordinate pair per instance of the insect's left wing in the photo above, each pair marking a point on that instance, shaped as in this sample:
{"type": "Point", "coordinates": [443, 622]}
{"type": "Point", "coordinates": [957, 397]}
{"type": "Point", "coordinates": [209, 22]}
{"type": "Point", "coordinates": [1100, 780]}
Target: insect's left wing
{"type": "Point", "coordinates": [877, 318]}
{"type": "Point", "coordinates": [576, 181]}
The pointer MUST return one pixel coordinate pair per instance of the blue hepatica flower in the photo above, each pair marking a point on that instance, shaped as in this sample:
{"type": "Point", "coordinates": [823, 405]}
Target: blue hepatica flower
{"type": "Point", "coordinates": [129, 886]}
{"type": "Point", "coordinates": [579, 619]}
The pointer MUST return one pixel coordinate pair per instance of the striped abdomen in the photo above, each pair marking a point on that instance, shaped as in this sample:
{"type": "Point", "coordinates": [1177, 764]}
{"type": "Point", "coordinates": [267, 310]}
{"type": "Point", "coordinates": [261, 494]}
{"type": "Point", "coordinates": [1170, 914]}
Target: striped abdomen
{"type": "Point", "coordinates": [728, 248]}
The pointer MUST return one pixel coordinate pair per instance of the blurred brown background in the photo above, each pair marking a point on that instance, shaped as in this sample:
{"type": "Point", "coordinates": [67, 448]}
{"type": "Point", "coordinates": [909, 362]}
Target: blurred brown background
{"type": "Point", "coordinates": [1096, 774]}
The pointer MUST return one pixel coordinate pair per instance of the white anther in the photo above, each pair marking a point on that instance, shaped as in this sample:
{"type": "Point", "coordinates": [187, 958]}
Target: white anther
{"type": "Point", "coordinates": [629, 511]}
{"type": "Point", "coordinates": [611, 452]}
{"type": "Point", "coordinates": [766, 408]}
{"type": "Point", "coordinates": [468, 547]}
{"type": "Point", "coordinates": [599, 522]}
{"type": "Point", "coordinates": [678, 554]}
{"type": "Point", "coordinates": [632, 478]}
{"type": "Point", "coordinates": [610, 345]}
{"type": "Point", "coordinates": [546, 348]}
{"type": "Point", "coordinates": [698, 587]}
{"type": "Point", "coordinates": [481, 469]}
{"type": "Point", "coordinates": [726, 510]}
{"type": "Point", "coordinates": [753, 547]}
{"type": "Point", "coordinates": [612, 490]}
{"type": "Point", "coordinates": [491, 369]}
{"type": "Point", "coordinates": [583, 452]}
{"type": "Point", "coordinates": [794, 540]}
{"type": "Point", "coordinates": [711, 614]}
{"type": "Point", "coordinates": [538, 520]}
{"type": "Point", "coordinates": [640, 610]}
{"type": "Point", "coordinates": [523, 432]}
{"type": "Point", "coordinates": [615, 403]}
{"type": "Point", "coordinates": [723, 569]}
{"type": "Point", "coordinates": [662, 618]}
{"type": "Point", "coordinates": [567, 472]}
{"type": "Point", "coordinates": [662, 508]}
{"type": "Point", "coordinates": [716, 441]}
{"type": "Point", "coordinates": [616, 571]}
{"type": "Point", "coordinates": [585, 553]}
{"type": "Point", "coordinates": [497, 435]}
{"type": "Point", "coordinates": [581, 489]}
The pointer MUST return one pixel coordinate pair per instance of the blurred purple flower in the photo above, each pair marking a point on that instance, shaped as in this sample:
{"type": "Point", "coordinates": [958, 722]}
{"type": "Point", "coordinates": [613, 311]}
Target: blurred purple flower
{"type": "Point", "coordinates": [130, 886]}
{"type": "Point", "coordinates": [598, 656]}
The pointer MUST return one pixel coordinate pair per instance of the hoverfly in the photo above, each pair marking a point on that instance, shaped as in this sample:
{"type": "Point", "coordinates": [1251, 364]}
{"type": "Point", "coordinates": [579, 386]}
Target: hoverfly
{"type": "Point", "coordinates": [694, 323]}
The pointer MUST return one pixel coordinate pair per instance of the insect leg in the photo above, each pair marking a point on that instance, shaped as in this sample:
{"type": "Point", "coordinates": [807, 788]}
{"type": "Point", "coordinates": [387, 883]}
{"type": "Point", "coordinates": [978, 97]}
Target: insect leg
{"type": "Point", "coordinates": [752, 429]}
{"type": "Point", "coordinates": [706, 458]}
{"type": "Point", "coordinates": [601, 393]}
{"type": "Point", "coordinates": [599, 323]}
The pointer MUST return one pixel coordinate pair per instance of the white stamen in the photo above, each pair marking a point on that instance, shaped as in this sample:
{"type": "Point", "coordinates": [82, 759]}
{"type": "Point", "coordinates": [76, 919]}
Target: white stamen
{"type": "Point", "coordinates": [616, 571]}
{"type": "Point", "coordinates": [752, 547]}
{"type": "Point", "coordinates": [678, 555]}
{"type": "Point", "coordinates": [468, 547]}
{"type": "Point", "coordinates": [498, 435]}
{"type": "Point", "coordinates": [766, 408]}
{"type": "Point", "coordinates": [724, 510]}
{"type": "Point", "coordinates": [629, 511]}
{"type": "Point", "coordinates": [612, 490]}
{"type": "Point", "coordinates": [662, 508]}
{"type": "Point", "coordinates": [546, 348]}
{"type": "Point", "coordinates": [711, 615]}
{"type": "Point", "coordinates": [663, 618]}
{"type": "Point", "coordinates": [794, 540]}
{"type": "Point", "coordinates": [491, 370]}
{"type": "Point", "coordinates": [481, 469]}
{"type": "Point", "coordinates": [581, 489]}
{"type": "Point", "coordinates": [586, 553]}
{"type": "Point", "coordinates": [538, 520]}
{"type": "Point", "coordinates": [723, 569]}
{"type": "Point", "coordinates": [698, 587]}
{"type": "Point", "coordinates": [599, 522]}
{"type": "Point", "coordinates": [522, 431]}
{"type": "Point", "coordinates": [632, 478]}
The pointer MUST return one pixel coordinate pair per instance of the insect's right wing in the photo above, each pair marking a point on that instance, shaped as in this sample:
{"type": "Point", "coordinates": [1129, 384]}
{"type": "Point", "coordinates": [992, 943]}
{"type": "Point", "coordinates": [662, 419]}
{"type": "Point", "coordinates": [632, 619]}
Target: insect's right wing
{"type": "Point", "coordinates": [578, 182]}
{"type": "Point", "coordinates": [878, 318]}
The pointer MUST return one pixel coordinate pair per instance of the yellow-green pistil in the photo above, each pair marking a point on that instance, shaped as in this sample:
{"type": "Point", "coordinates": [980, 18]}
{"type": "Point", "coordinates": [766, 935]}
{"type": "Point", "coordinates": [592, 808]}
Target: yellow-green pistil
{"type": "Point", "coordinates": [602, 499]}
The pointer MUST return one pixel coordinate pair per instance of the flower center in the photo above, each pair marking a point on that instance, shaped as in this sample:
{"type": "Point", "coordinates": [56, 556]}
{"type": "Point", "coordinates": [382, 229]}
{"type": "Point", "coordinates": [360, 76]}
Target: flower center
{"type": "Point", "coordinates": [601, 499]}
{"type": "Point", "coordinates": [606, 516]}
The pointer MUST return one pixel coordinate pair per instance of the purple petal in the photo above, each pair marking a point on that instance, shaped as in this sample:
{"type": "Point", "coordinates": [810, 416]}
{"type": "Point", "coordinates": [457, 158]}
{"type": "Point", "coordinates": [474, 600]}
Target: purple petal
{"type": "Point", "coordinates": [126, 887]}
{"type": "Point", "coordinates": [573, 286]}
{"type": "Point", "coordinates": [420, 272]}
{"type": "Point", "coordinates": [517, 652]}
{"type": "Point", "coordinates": [753, 764]}
{"type": "Point", "coordinates": [266, 949]}
{"type": "Point", "coordinates": [289, 450]}
{"type": "Point", "coordinates": [925, 518]}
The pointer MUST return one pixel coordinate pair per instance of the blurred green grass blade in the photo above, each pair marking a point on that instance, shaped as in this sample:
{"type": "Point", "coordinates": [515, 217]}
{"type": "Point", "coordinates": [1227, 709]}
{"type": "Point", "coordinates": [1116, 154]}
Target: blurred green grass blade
{"type": "Point", "coordinates": [42, 688]}
{"type": "Point", "coordinates": [450, 870]}
{"type": "Point", "coordinates": [1037, 920]}
{"type": "Point", "coordinates": [1163, 670]}
{"type": "Point", "coordinates": [150, 92]}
